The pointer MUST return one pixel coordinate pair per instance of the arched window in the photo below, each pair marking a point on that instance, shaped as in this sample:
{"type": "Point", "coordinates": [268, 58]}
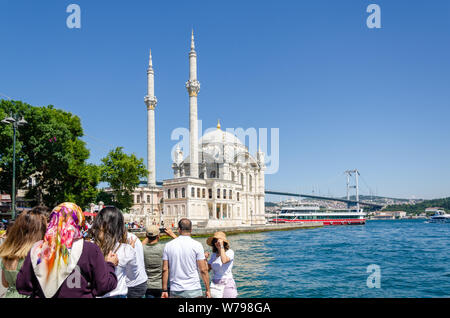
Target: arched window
{"type": "Point", "coordinates": [203, 193]}
{"type": "Point", "coordinates": [230, 196]}
{"type": "Point", "coordinates": [212, 174]}
{"type": "Point", "coordinates": [138, 198]}
{"type": "Point", "coordinates": [198, 192]}
{"type": "Point", "coordinates": [148, 199]}
{"type": "Point", "coordinates": [176, 193]}
{"type": "Point", "coordinates": [183, 192]}
{"type": "Point", "coordinates": [237, 195]}
{"type": "Point", "coordinates": [168, 193]}
{"type": "Point", "coordinates": [210, 193]}
{"type": "Point", "coordinates": [232, 175]}
{"type": "Point", "coordinates": [218, 193]}
{"type": "Point", "coordinates": [224, 193]}
{"type": "Point", "coordinates": [193, 192]}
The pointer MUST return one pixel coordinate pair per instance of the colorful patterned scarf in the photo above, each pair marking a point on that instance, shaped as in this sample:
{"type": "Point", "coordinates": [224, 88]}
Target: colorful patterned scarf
{"type": "Point", "coordinates": [57, 255]}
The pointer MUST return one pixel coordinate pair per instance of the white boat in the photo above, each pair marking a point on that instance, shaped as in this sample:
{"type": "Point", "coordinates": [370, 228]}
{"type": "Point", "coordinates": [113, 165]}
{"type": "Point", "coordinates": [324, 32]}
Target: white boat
{"type": "Point", "coordinates": [440, 217]}
{"type": "Point", "coordinates": [303, 213]}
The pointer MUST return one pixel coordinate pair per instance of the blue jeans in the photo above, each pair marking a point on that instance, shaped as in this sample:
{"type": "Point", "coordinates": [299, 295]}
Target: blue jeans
{"type": "Point", "coordinates": [186, 293]}
{"type": "Point", "coordinates": [153, 293]}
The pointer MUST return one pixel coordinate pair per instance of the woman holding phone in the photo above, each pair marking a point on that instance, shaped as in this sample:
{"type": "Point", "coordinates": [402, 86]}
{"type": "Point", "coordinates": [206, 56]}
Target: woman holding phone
{"type": "Point", "coordinates": [221, 264]}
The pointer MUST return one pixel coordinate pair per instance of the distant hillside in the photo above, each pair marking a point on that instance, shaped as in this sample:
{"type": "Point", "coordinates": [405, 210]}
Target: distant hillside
{"type": "Point", "coordinates": [270, 204]}
{"type": "Point", "coordinates": [379, 198]}
{"type": "Point", "coordinates": [421, 206]}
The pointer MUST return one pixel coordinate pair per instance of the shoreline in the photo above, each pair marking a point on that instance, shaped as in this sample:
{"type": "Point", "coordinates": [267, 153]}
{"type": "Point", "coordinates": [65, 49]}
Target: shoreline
{"type": "Point", "coordinates": [206, 232]}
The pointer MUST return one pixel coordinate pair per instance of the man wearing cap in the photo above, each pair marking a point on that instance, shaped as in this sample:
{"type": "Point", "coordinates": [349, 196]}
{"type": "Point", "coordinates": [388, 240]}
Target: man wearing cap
{"type": "Point", "coordinates": [183, 259]}
{"type": "Point", "coordinates": [153, 252]}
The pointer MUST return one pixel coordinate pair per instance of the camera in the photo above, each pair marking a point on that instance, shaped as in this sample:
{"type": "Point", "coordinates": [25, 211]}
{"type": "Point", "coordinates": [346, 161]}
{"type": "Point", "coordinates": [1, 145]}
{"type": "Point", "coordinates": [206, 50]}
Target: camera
{"type": "Point", "coordinates": [162, 230]}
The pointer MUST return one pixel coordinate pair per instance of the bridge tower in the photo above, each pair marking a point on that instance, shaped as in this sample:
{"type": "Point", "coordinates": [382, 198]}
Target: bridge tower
{"type": "Point", "coordinates": [349, 174]}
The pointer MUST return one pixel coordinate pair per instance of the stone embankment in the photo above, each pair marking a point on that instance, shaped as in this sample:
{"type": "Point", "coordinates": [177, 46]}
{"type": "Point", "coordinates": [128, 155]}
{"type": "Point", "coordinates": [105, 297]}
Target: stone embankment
{"type": "Point", "coordinates": [207, 231]}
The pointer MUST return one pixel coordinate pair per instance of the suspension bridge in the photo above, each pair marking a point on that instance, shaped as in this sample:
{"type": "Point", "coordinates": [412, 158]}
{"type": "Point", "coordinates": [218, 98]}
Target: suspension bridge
{"type": "Point", "coordinates": [351, 203]}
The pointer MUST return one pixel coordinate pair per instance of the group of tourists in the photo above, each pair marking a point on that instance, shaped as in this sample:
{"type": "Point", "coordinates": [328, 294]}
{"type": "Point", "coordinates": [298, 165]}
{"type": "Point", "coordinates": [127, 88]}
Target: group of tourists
{"type": "Point", "coordinates": [134, 226]}
{"type": "Point", "coordinates": [45, 255]}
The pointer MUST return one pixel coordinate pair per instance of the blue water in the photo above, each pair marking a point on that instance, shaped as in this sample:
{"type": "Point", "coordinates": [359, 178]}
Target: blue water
{"type": "Point", "coordinates": [413, 258]}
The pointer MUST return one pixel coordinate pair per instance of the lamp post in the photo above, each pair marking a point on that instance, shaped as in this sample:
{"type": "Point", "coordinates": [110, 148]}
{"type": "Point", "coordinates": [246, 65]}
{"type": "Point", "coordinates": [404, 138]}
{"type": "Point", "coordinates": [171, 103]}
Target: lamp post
{"type": "Point", "coordinates": [16, 122]}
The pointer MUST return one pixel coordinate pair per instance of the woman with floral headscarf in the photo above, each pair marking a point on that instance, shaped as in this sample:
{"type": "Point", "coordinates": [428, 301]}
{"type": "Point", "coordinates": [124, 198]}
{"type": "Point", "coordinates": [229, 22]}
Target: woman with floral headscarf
{"type": "Point", "coordinates": [64, 265]}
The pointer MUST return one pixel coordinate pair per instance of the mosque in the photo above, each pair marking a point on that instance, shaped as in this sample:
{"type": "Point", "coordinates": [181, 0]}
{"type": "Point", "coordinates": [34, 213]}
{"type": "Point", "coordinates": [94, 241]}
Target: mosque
{"type": "Point", "coordinates": [219, 184]}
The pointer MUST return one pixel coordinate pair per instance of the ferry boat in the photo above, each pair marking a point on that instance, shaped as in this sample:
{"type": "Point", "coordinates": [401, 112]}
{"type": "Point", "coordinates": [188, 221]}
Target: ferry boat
{"type": "Point", "coordinates": [440, 217]}
{"type": "Point", "coordinates": [312, 213]}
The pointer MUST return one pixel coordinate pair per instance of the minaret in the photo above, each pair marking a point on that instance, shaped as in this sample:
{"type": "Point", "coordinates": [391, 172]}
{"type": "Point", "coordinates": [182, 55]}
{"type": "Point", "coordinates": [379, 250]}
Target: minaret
{"type": "Point", "coordinates": [150, 101]}
{"type": "Point", "coordinates": [193, 87]}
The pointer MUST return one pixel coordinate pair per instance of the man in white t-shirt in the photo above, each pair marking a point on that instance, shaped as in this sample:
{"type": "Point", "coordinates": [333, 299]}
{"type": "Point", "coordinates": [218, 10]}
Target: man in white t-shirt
{"type": "Point", "coordinates": [183, 258]}
{"type": "Point", "coordinates": [137, 287]}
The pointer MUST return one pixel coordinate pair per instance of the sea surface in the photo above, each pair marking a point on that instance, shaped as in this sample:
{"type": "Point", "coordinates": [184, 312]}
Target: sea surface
{"type": "Point", "coordinates": [413, 258]}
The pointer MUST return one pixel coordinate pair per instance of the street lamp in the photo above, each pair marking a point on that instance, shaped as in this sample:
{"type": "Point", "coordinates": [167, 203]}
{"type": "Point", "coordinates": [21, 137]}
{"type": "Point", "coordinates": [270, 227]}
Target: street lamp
{"type": "Point", "coordinates": [15, 121]}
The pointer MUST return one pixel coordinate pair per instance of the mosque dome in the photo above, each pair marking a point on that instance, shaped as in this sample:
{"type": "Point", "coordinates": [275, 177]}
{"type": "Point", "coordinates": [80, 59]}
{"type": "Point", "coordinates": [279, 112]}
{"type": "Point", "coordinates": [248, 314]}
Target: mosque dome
{"type": "Point", "coordinates": [219, 136]}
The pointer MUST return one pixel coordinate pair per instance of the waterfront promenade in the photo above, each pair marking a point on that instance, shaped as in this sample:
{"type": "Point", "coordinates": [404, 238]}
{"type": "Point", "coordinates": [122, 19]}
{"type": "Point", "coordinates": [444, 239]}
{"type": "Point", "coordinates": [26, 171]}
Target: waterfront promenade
{"type": "Point", "coordinates": [207, 231]}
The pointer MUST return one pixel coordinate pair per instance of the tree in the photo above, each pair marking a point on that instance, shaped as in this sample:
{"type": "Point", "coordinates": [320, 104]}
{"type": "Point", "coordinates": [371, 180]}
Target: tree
{"type": "Point", "coordinates": [123, 173]}
{"type": "Point", "coordinates": [106, 197]}
{"type": "Point", "coordinates": [50, 150]}
{"type": "Point", "coordinates": [420, 207]}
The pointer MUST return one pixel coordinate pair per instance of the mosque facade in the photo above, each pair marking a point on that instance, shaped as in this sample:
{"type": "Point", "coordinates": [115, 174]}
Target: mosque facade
{"type": "Point", "coordinates": [219, 184]}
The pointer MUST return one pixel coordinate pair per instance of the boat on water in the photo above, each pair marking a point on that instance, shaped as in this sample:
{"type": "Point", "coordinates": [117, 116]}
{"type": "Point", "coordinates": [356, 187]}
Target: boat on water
{"type": "Point", "coordinates": [304, 213]}
{"type": "Point", "coordinates": [440, 217]}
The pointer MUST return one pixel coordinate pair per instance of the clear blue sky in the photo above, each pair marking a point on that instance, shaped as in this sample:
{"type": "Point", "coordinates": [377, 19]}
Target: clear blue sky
{"type": "Point", "coordinates": [343, 96]}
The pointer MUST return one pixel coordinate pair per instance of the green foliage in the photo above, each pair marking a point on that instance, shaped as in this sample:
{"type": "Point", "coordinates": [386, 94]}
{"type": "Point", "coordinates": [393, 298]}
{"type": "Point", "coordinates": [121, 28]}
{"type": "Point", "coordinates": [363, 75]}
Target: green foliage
{"type": "Point", "coordinates": [106, 197]}
{"type": "Point", "coordinates": [421, 206]}
{"type": "Point", "coordinates": [123, 173]}
{"type": "Point", "coordinates": [48, 148]}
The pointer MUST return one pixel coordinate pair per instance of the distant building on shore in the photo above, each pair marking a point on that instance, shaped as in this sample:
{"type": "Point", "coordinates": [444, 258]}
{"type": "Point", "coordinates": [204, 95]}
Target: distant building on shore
{"type": "Point", "coordinates": [388, 215]}
{"type": "Point", "coordinates": [433, 210]}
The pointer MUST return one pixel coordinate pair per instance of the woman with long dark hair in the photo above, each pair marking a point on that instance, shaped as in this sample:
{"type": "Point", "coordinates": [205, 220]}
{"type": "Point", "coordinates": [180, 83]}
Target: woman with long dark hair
{"type": "Point", "coordinates": [109, 233]}
{"type": "Point", "coordinates": [63, 264]}
{"type": "Point", "coordinates": [28, 228]}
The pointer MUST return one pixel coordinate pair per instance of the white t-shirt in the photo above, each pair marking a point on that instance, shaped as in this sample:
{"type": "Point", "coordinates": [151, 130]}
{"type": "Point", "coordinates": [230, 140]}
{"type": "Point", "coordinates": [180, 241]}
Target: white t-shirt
{"type": "Point", "coordinates": [127, 269]}
{"type": "Point", "coordinates": [183, 254]}
{"type": "Point", "coordinates": [222, 271]}
{"type": "Point", "coordinates": [142, 275]}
